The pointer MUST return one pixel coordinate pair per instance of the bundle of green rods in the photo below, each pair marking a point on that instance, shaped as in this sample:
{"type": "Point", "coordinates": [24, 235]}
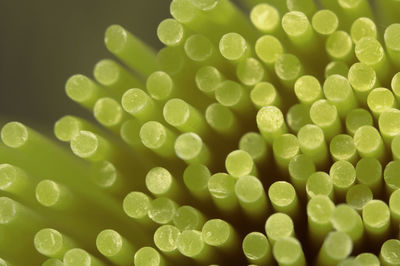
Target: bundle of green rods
{"type": "Point", "coordinates": [266, 135]}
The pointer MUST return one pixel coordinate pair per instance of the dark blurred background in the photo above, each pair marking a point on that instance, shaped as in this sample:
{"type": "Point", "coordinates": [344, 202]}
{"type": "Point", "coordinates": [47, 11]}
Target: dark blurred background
{"type": "Point", "coordinates": [43, 42]}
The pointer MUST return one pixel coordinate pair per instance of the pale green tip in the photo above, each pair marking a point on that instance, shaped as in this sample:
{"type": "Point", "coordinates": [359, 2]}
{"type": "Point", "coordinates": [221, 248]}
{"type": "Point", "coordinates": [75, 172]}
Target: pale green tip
{"type": "Point", "coordinates": [85, 145]}
{"type": "Point", "coordinates": [367, 259]}
{"type": "Point", "coordinates": [48, 193]}
{"type": "Point", "coordinates": [221, 118]}
{"type": "Point", "coordinates": [391, 37]}
{"type": "Point", "coordinates": [336, 247]}
{"type": "Point", "coordinates": [116, 38]}
{"type": "Point", "coordinates": [48, 242]}
{"type": "Point", "coordinates": [282, 195]}
{"type": "Point", "coordinates": [369, 51]}
{"type": "Point", "coordinates": [357, 118]}
{"type": "Point", "coordinates": [189, 147]}
{"type": "Point", "coordinates": [288, 67]}
{"type": "Point", "coordinates": [369, 142]}
{"type": "Point", "coordinates": [265, 17]}
{"type": "Point", "coordinates": [249, 189]}
{"type": "Point", "coordinates": [135, 101]}
{"type": "Point", "coordinates": [176, 112]}
{"type": "Point", "coordinates": [264, 94]}
{"type": "Point", "coordinates": [376, 217]}
{"type": "Point", "coordinates": [343, 174]}
{"type": "Point", "coordinates": [109, 242]}
{"type": "Point", "coordinates": [8, 210]}
{"type": "Point", "coordinates": [67, 127]}
{"type": "Point", "coordinates": [79, 257]}
{"type": "Point", "coordinates": [207, 79]}
{"type": "Point", "coordinates": [271, 122]}
{"type": "Point", "coordinates": [250, 71]}
{"type": "Point", "coordinates": [388, 121]}
{"type": "Point", "coordinates": [216, 232]}
{"type": "Point", "coordinates": [380, 100]}
{"type": "Point", "coordinates": [162, 210]}
{"type": "Point", "coordinates": [108, 112]}
{"type": "Point", "coordinates": [362, 77]}
{"type": "Point", "coordinates": [256, 247]}
{"type": "Point", "coordinates": [325, 22]}
{"type": "Point", "coordinates": [14, 134]}
{"type": "Point", "coordinates": [104, 174]}
{"type": "Point", "coordinates": [390, 252]}
{"type": "Point", "coordinates": [188, 218]}
{"type": "Point", "coordinates": [136, 205]}
{"type": "Point", "coordinates": [268, 48]}
{"type": "Point", "coordinates": [363, 27]}
{"type": "Point", "coordinates": [295, 23]}
{"type": "Point", "coordinates": [170, 32]}
{"type": "Point", "coordinates": [254, 144]}
{"type": "Point", "coordinates": [233, 46]}
{"type": "Point", "coordinates": [391, 175]}
{"type": "Point", "coordinates": [229, 93]}
{"type": "Point", "coordinates": [308, 89]}
{"type": "Point", "coordinates": [342, 148]}
{"type": "Point", "coordinates": [159, 180]}
{"type": "Point", "coordinates": [165, 238]}
{"type": "Point", "coordinates": [279, 225]}
{"type": "Point", "coordinates": [196, 177]}
{"type": "Point", "coordinates": [239, 163]}
{"type": "Point", "coordinates": [288, 251]}
{"type": "Point", "coordinates": [153, 134]}
{"type": "Point", "coordinates": [183, 11]}
{"type": "Point", "coordinates": [298, 116]}
{"type": "Point", "coordinates": [319, 183]}
{"type": "Point", "coordinates": [80, 88]}
{"type": "Point", "coordinates": [148, 256]}
{"type": "Point", "coordinates": [339, 45]}
{"type": "Point", "coordinates": [369, 172]}
{"type": "Point", "coordinates": [358, 195]}
{"type": "Point", "coordinates": [198, 48]}
{"type": "Point", "coordinates": [160, 85]}
{"type": "Point", "coordinates": [107, 72]}
{"type": "Point", "coordinates": [12, 179]}
{"type": "Point", "coordinates": [190, 243]}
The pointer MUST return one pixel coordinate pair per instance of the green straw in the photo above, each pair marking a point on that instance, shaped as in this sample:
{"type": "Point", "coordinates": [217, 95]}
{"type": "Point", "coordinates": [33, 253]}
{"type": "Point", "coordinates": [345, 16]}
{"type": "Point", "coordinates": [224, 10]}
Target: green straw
{"type": "Point", "coordinates": [148, 256]}
{"type": "Point", "coordinates": [165, 239]}
{"type": "Point", "coordinates": [370, 52]}
{"type": "Point", "coordinates": [196, 178]}
{"type": "Point", "coordinates": [15, 181]}
{"type": "Point", "coordinates": [234, 47]}
{"type": "Point", "coordinates": [336, 67]}
{"type": "Point", "coordinates": [191, 244]}
{"type": "Point", "coordinates": [160, 86]}
{"type": "Point", "coordinates": [53, 195]}
{"type": "Point", "coordinates": [367, 259]}
{"type": "Point", "coordinates": [319, 183]}
{"type": "Point", "coordinates": [283, 198]}
{"type": "Point", "coordinates": [380, 100]}
{"type": "Point", "coordinates": [161, 183]}
{"type": "Point", "coordinates": [115, 77]}
{"type": "Point", "coordinates": [337, 246]}
{"type": "Point", "coordinates": [265, 94]}
{"type": "Point", "coordinates": [395, 85]}
{"type": "Point", "coordinates": [188, 218]}
{"type": "Point", "coordinates": [49, 262]}
{"type": "Point", "coordinates": [355, 9]}
{"type": "Point", "coordinates": [265, 18]}
{"type": "Point", "coordinates": [319, 212]}
{"type": "Point", "coordinates": [233, 95]}
{"type": "Point", "coordinates": [114, 247]}
{"type": "Point", "coordinates": [284, 148]}
{"type": "Point", "coordinates": [271, 123]}
{"type": "Point", "coordinates": [184, 116]}
{"type": "Point", "coordinates": [369, 142]}
{"type": "Point", "coordinates": [191, 148]}
{"type": "Point", "coordinates": [300, 168]}
{"type": "Point", "coordinates": [369, 173]}
{"type": "Point", "coordinates": [136, 205]}
{"type": "Point", "coordinates": [68, 126]}
{"type": "Point", "coordinates": [339, 46]}
{"type": "Point", "coordinates": [388, 124]}
{"type": "Point", "coordinates": [91, 146]}
{"type": "Point", "coordinates": [172, 61]}
{"type": "Point", "coordinates": [140, 105]}
{"type": "Point", "coordinates": [250, 71]}
{"type": "Point", "coordinates": [105, 175]}
{"type": "Point", "coordinates": [279, 225]}
{"type": "Point", "coordinates": [325, 115]}
{"type": "Point", "coordinates": [158, 138]}
{"type": "Point", "coordinates": [357, 118]}
{"type": "Point", "coordinates": [162, 210]}
{"type": "Point", "coordinates": [308, 7]}
{"type": "Point", "coordinates": [338, 91]}
{"type": "Point", "coordinates": [221, 119]}
{"type": "Point", "coordinates": [255, 145]}
{"type": "Point", "coordinates": [288, 251]}
{"type": "Point", "coordinates": [220, 234]}
{"type": "Point", "coordinates": [394, 201]}
{"type": "Point", "coordinates": [207, 79]}
{"type": "Point", "coordinates": [390, 251]}
{"type": "Point", "coordinates": [363, 27]}
{"type": "Point", "coordinates": [298, 116]}
{"type": "Point", "coordinates": [391, 43]}
{"type": "Point", "coordinates": [77, 256]}
{"type": "Point", "coordinates": [268, 48]}
{"type": "Point", "coordinates": [288, 68]}
{"type": "Point", "coordinates": [325, 22]}
{"type": "Point", "coordinates": [257, 249]}
{"type": "Point", "coordinates": [171, 33]}
{"type": "Point", "coordinates": [222, 190]}
{"type": "Point", "coordinates": [358, 195]}
{"type": "Point", "coordinates": [83, 90]}
{"type": "Point", "coordinates": [342, 148]}
{"type": "Point", "coordinates": [363, 79]}
{"type": "Point", "coordinates": [343, 176]}
{"type": "Point", "coordinates": [109, 113]}
{"type": "Point", "coordinates": [298, 29]}
{"type": "Point", "coordinates": [376, 218]}
{"type": "Point", "coordinates": [52, 243]}
{"type": "Point", "coordinates": [395, 147]}
{"type": "Point", "coordinates": [199, 48]}
{"type": "Point", "coordinates": [308, 89]}
{"type": "Point", "coordinates": [239, 163]}
{"type": "Point", "coordinates": [312, 143]}
{"type": "Point", "coordinates": [130, 50]}
{"type": "Point", "coordinates": [251, 195]}
{"type": "Point", "coordinates": [391, 176]}
{"type": "Point", "coordinates": [345, 219]}
{"type": "Point", "coordinates": [129, 132]}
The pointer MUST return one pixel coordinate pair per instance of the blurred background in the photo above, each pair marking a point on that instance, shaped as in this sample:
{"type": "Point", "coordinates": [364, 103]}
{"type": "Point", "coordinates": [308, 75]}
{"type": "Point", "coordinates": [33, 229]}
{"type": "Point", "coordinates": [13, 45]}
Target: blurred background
{"type": "Point", "coordinates": [44, 42]}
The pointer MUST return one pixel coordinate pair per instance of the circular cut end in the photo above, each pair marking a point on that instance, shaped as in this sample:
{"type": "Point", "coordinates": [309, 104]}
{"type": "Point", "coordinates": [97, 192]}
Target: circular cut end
{"type": "Point", "coordinates": [392, 174]}
{"type": "Point", "coordinates": [162, 210]}
{"type": "Point", "coordinates": [77, 256]}
{"type": "Point", "coordinates": [282, 193]}
{"type": "Point", "coordinates": [339, 44]}
{"type": "Point", "coordinates": [153, 134]}
{"type": "Point", "coordinates": [319, 183]}
{"type": "Point", "coordinates": [389, 122]}
{"type": "Point", "coordinates": [208, 78]}
{"type": "Point", "coordinates": [187, 218]}
{"type": "Point", "coordinates": [229, 93]}
{"type": "Point", "coordinates": [239, 163]}
{"type": "Point", "coordinates": [8, 176]}
{"type": "Point", "coordinates": [362, 77]}
{"type": "Point", "coordinates": [233, 46]}
{"type": "Point", "coordinates": [107, 72]}
{"type": "Point", "coordinates": [66, 128]}
{"type": "Point", "coordinates": [134, 100]}
{"type": "Point", "coordinates": [270, 119]}
{"type": "Point", "coordinates": [395, 84]}
{"type": "Point", "coordinates": [279, 225]}
{"type": "Point", "coordinates": [250, 71]}
{"type": "Point", "coordinates": [159, 85]}
{"type": "Point", "coordinates": [295, 23]}
{"type": "Point", "coordinates": [363, 27]}
{"type": "Point", "coordinates": [287, 251]}
{"type": "Point", "coordinates": [307, 89]}
{"type": "Point", "coordinates": [357, 118]}
{"type": "Point", "coordinates": [310, 137]}
{"type": "Point", "coordinates": [392, 37]}
{"type": "Point", "coordinates": [343, 174]}
{"type": "Point", "coordinates": [337, 88]}
{"type": "Point", "coordinates": [286, 146]}
{"type": "Point", "coordinates": [198, 48]}
{"type": "Point", "coordinates": [263, 94]}
{"type": "Point", "coordinates": [205, 5]}
{"type": "Point", "coordinates": [325, 22]}
{"type": "Point", "coordinates": [369, 51]}
{"type": "Point", "coordinates": [319, 209]}
{"type": "Point", "coordinates": [196, 177]}
{"type": "Point", "coordinates": [176, 112]}
{"type": "Point", "coordinates": [358, 195]}
{"type": "Point", "coordinates": [48, 242]}
{"type": "Point", "coordinates": [249, 189]}
{"type": "Point", "coordinates": [48, 193]}
{"type": "Point", "coordinates": [165, 238]}
{"type": "Point", "coordinates": [338, 245]}
{"type": "Point", "coordinates": [268, 48]}
{"type": "Point", "coordinates": [188, 146]}
{"type": "Point", "coordinates": [8, 210]}
{"type": "Point", "coordinates": [216, 232]}
{"type": "Point", "coordinates": [322, 113]}
{"type": "Point", "coordinates": [254, 144]}
{"type": "Point", "coordinates": [170, 32]}
{"type": "Point", "coordinates": [219, 117]}
{"type": "Point", "coordinates": [136, 205]}
{"type": "Point", "coordinates": [390, 252]}
{"type": "Point", "coordinates": [376, 214]}
{"type": "Point", "coordinates": [79, 88]}
{"type": "Point", "coordinates": [158, 180]}
{"type": "Point", "coordinates": [256, 246]}
{"type": "Point", "coordinates": [380, 100]}
{"type": "Point", "coordinates": [265, 17]}
{"type": "Point", "coordinates": [104, 174]}
{"type": "Point", "coordinates": [221, 185]}
{"type": "Point", "coordinates": [288, 67]}
{"type": "Point", "coordinates": [190, 243]}
{"type": "Point", "coordinates": [85, 144]}
{"type": "Point", "coordinates": [147, 256]}
{"type": "Point", "coordinates": [108, 112]}
{"type": "Point", "coordinates": [109, 242]}
{"type": "Point", "coordinates": [14, 134]}
{"type": "Point", "coordinates": [367, 139]}
{"type": "Point", "coordinates": [116, 38]}
{"type": "Point", "coordinates": [342, 147]}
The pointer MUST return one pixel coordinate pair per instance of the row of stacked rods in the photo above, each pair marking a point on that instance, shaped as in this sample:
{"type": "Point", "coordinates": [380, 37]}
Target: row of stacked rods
{"type": "Point", "coordinates": [267, 139]}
